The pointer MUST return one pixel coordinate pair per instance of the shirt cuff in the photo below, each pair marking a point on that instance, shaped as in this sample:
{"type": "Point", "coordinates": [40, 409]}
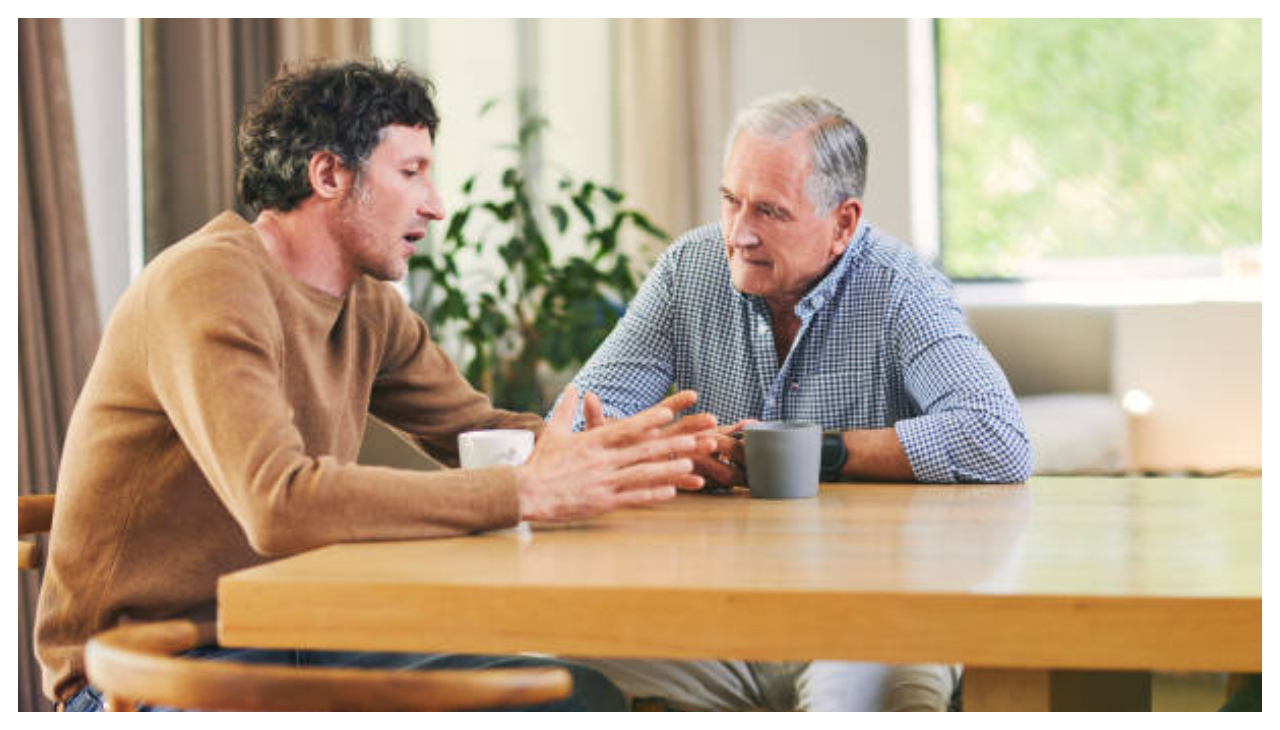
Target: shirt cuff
{"type": "Point", "coordinates": [924, 439]}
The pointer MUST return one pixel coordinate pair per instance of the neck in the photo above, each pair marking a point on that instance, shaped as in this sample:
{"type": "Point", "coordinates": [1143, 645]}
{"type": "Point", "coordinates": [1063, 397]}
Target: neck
{"type": "Point", "coordinates": [786, 325]}
{"type": "Point", "coordinates": [304, 245]}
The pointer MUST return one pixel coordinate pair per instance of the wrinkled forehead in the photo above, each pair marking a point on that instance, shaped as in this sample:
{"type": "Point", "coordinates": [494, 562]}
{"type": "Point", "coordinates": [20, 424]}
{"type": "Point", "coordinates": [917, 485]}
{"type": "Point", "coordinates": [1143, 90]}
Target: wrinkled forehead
{"type": "Point", "coordinates": [779, 164]}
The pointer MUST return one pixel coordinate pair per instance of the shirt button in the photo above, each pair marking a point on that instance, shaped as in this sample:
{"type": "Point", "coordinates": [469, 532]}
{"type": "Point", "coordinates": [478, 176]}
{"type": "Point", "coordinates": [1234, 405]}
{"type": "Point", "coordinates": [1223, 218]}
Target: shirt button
{"type": "Point", "coordinates": [764, 329]}
{"type": "Point", "coordinates": [795, 385]}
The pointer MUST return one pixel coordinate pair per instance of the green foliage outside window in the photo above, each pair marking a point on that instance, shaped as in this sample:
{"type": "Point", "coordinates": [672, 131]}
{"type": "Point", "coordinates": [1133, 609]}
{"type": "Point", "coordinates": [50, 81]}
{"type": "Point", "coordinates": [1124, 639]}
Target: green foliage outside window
{"type": "Point", "coordinates": [1097, 139]}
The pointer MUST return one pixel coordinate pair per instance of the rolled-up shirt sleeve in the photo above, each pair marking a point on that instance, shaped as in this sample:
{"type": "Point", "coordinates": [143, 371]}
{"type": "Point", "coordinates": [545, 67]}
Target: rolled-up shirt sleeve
{"type": "Point", "coordinates": [970, 429]}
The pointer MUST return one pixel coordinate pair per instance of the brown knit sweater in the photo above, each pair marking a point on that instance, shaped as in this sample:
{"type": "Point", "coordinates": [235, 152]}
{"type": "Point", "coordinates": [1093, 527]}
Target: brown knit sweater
{"type": "Point", "coordinates": [219, 427]}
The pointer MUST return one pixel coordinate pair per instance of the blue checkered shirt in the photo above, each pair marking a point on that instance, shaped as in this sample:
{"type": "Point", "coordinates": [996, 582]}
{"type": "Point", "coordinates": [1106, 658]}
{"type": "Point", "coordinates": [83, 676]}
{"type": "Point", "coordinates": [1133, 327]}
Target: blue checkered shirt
{"type": "Point", "coordinates": [881, 343]}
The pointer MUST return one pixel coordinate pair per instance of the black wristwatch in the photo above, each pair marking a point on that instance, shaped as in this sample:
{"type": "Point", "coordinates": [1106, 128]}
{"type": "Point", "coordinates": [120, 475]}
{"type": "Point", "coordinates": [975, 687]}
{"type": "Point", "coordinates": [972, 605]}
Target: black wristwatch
{"type": "Point", "coordinates": [834, 456]}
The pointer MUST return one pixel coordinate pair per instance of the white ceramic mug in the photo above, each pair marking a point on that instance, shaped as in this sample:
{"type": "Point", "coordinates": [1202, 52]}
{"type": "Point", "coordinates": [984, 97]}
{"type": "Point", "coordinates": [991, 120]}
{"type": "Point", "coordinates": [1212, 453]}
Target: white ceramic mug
{"type": "Point", "coordinates": [499, 447]}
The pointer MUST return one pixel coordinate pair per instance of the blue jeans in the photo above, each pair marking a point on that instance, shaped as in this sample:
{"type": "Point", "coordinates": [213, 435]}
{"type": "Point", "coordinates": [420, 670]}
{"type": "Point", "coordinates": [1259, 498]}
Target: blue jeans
{"type": "Point", "coordinates": [591, 691]}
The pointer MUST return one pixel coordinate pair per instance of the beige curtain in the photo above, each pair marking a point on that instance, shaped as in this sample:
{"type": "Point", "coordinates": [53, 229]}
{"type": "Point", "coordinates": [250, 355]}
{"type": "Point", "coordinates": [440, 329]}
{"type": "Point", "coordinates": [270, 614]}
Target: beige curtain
{"type": "Point", "coordinates": [198, 74]}
{"type": "Point", "coordinates": [673, 111]}
{"type": "Point", "coordinates": [57, 314]}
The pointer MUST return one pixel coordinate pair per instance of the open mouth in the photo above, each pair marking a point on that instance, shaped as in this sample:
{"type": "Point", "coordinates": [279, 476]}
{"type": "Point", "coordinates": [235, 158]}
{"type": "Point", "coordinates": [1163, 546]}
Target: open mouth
{"type": "Point", "coordinates": [413, 237]}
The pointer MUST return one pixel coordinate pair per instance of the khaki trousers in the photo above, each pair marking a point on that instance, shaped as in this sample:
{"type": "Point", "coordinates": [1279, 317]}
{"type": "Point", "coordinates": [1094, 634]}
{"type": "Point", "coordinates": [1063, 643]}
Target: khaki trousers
{"type": "Point", "coordinates": [783, 686]}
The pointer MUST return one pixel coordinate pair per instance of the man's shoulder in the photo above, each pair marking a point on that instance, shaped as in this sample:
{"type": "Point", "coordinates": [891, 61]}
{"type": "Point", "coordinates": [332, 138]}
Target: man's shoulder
{"type": "Point", "coordinates": [221, 262]}
{"type": "Point", "coordinates": [220, 248]}
{"type": "Point", "coordinates": [697, 252]}
{"type": "Point", "coordinates": [895, 262]}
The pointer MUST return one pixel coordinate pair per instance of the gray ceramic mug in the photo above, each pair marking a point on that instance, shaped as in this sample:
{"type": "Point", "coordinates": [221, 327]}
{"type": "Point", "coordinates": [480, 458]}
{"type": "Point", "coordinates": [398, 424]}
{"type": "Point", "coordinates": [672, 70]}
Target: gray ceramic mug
{"type": "Point", "coordinates": [784, 459]}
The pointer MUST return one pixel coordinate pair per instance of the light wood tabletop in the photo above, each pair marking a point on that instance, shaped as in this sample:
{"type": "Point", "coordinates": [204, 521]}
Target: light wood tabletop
{"type": "Point", "coordinates": [1012, 581]}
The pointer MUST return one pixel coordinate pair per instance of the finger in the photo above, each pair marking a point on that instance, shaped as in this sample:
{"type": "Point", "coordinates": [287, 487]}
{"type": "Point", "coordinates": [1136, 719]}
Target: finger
{"type": "Point", "coordinates": [679, 401]}
{"type": "Point", "coordinates": [592, 411]}
{"type": "Point", "coordinates": [691, 424]}
{"type": "Point", "coordinates": [716, 472]}
{"type": "Point", "coordinates": [633, 428]}
{"type": "Point", "coordinates": [724, 443]}
{"type": "Point", "coordinates": [650, 474]}
{"type": "Point", "coordinates": [738, 427]}
{"type": "Point", "coordinates": [566, 409]}
{"type": "Point", "coordinates": [657, 449]}
{"type": "Point", "coordinates": [648, 495]}
{"type": "Point", "coordinates": [689, 482]}
{"type": "Point", "coordinates": [736, 453]}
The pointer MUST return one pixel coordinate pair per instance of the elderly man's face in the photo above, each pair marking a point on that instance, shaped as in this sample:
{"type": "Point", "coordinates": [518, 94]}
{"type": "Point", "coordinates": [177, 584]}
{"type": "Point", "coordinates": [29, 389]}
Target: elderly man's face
{"type": "Point", "coordinates": [777, 246]}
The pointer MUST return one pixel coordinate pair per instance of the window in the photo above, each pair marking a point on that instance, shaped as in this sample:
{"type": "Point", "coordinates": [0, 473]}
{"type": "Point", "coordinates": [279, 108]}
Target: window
{"type": "Point", "coordinates": [1100, 148]}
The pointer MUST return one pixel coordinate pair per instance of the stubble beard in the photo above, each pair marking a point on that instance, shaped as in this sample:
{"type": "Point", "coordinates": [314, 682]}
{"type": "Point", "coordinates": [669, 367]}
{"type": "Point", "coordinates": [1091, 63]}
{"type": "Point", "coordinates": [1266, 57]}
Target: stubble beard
{"type": "Point", "coordinates": [360, 233]}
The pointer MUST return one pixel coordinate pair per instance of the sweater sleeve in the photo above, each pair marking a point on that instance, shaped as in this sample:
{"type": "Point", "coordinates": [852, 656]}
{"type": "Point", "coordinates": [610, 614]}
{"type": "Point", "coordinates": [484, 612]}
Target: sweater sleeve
{"type": "Point", "coordinates": [214, 360]}
{"type": "Point", "coordinates": [420, 391]}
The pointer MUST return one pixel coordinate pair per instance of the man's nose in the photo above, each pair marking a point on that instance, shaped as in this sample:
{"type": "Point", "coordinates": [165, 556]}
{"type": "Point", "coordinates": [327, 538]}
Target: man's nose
{"type": "Point", "coordinates": [432, 207]}
{"type": "Point", "coordinates": [740, 234]}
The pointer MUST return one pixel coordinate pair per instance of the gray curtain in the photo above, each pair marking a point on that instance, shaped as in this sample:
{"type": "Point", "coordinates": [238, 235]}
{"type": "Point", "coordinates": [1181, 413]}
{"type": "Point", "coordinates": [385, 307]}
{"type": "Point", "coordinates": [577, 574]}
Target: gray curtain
{"type": "Point", "coordinates": [57, 314]}
{"type": "Point", "coordinates": [198, 74]}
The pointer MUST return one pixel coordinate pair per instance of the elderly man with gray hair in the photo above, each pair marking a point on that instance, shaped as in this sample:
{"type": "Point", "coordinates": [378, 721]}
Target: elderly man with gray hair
{"type": "Point", "coordinates": [793, 307]}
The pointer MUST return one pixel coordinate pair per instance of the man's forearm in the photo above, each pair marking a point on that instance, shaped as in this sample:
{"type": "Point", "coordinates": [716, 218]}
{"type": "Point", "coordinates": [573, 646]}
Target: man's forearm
{"type": "Point", "coordinates": [875, 455]}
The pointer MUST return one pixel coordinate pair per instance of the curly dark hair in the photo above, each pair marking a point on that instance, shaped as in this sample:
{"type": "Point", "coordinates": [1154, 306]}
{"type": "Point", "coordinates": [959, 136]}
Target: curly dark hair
{"type": "Point", "coordinates": [340, 107]}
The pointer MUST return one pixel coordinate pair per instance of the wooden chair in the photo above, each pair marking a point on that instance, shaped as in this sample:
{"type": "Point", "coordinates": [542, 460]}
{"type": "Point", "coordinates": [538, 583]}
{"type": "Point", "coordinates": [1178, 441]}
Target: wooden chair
{"type": "Point", "coordinates": [134, 664]}
{"type": "Point", "coordinates": [35, 516]}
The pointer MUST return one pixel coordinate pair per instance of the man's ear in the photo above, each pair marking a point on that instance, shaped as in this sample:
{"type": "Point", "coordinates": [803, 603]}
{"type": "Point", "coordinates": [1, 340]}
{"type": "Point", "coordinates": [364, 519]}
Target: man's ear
{"type": "Point", "coordinates": [846, 218]}
{"type": "Point", "coordinates": [329, 179]}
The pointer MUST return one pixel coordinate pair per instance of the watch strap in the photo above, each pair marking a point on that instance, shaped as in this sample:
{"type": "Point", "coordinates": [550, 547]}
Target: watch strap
{"type": "Point", "coordinates": [834, 455]}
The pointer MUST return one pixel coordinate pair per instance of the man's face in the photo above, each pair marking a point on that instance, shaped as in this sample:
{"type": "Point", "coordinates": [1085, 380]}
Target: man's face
{"type": "Point", "coordinates": [387, 208]}
{"type": "Point", "coordinates": [777, 246]}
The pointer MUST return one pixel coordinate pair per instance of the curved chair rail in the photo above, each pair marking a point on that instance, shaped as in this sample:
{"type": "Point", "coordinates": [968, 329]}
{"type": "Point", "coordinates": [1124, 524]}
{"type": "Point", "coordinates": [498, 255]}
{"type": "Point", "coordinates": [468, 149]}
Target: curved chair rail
{"type": "Point", "coordinates": [134, 664]}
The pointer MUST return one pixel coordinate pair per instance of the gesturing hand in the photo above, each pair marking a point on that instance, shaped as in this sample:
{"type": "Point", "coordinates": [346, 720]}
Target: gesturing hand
{"type": "Point", "coordinates": [722, 467]}
{"type": "Point", "coordinates": [633, 461]}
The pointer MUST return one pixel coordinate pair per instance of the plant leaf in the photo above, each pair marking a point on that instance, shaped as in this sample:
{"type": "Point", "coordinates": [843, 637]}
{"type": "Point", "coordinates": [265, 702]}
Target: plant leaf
{"type": "Point", "coordinates": [644, 225]}
{"type": "Point", "coordinates": [562, 217]}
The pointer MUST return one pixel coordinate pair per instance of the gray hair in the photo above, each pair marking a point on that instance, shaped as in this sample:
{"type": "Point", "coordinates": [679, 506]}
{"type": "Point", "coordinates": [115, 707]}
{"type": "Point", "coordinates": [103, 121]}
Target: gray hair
{"type": "Point", "coordinates": [839, 151]}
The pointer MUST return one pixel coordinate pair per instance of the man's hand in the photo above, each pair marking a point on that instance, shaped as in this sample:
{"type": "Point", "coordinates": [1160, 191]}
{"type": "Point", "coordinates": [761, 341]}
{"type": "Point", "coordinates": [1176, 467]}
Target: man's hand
{"type": "Point", "coordinates": [725, 466]}
{"type": "Point", "coordinates": [633, 461]}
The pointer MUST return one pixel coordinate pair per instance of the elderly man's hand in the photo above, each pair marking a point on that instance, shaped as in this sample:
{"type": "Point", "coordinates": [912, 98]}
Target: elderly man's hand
{"type": "Point", "coordinates": [633, 461]}
{"type": "Point", "coordinates": [726, 466]}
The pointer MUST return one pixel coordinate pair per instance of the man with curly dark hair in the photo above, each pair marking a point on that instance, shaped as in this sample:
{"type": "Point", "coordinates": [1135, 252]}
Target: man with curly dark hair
{"type": "Point", "coordinates": [221, 419]}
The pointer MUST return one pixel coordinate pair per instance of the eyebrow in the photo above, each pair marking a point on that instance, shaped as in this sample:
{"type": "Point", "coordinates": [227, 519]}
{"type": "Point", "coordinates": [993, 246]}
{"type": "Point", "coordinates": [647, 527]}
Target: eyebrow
{"type": "Point", "coordinates": [781, 210]}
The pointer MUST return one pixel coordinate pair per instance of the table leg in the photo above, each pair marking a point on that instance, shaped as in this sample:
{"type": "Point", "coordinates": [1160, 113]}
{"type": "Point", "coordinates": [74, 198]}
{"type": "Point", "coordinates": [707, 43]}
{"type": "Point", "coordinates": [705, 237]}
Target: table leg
{"type": "Point", "coordinates": [989, 689]}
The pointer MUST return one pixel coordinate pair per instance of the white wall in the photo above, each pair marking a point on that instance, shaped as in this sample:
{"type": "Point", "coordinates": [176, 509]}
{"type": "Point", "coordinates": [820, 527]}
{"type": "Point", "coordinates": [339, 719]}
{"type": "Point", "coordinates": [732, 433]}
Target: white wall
{"type": "Point", "coordinates": [95, 54]}
{"type": "Point", "coordinates": [1201, 364]}
{"type": "Point", "coordinates": [860, 65]}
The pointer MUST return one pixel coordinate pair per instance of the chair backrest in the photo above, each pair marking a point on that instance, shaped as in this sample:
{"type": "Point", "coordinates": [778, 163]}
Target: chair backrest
{"type": "Point", "coordinates": [135, 664]}
{"type": "Point", "coordinates": [35, 515]}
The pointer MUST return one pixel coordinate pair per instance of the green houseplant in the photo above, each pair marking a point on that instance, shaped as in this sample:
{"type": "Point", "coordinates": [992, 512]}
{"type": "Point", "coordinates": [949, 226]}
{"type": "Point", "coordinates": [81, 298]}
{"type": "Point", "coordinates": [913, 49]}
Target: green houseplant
{"type": "Point", "coordinates": [530, 282]}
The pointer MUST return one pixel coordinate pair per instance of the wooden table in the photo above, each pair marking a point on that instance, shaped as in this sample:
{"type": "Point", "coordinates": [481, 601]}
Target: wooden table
{"type": "Point", "coordinates": [1021, 584]}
